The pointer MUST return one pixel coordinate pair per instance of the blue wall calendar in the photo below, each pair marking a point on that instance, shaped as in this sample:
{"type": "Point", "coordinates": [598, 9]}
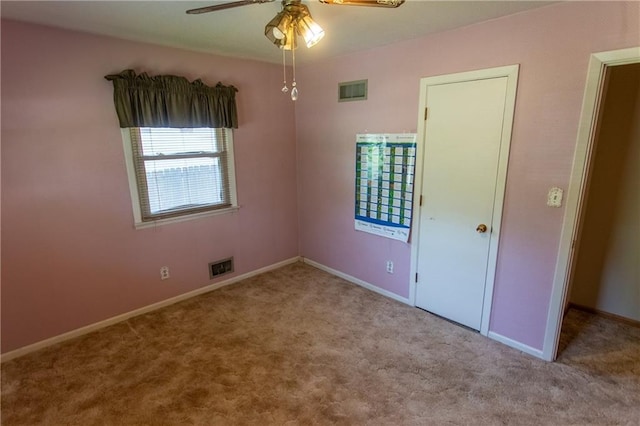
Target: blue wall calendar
{"type": "Point", "coordinates": [385, 166]}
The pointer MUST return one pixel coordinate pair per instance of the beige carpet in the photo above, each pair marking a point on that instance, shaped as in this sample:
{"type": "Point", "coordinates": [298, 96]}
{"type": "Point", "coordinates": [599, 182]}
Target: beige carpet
{"type": "Point", "coordinates": [299, 346]}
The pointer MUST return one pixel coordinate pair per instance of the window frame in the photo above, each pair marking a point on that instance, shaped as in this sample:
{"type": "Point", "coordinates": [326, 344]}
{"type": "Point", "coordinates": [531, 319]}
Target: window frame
{"type": "Point", "coordinates": [137, 192]}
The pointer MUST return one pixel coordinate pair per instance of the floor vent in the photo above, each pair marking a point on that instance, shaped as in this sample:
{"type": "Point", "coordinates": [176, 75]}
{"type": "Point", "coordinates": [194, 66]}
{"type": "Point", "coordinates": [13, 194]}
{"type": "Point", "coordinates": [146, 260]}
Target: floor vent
{"type": "Point", "coordinates": [352, 91]}
{"type": "Point", "coordinates": [220, 267]}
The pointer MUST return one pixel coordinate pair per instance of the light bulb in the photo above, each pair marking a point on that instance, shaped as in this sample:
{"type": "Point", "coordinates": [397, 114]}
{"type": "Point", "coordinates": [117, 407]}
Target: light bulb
{"type": "Point", "coordinates": [310, 30]}
{"type": "Point", "coordinates": [278, 34]}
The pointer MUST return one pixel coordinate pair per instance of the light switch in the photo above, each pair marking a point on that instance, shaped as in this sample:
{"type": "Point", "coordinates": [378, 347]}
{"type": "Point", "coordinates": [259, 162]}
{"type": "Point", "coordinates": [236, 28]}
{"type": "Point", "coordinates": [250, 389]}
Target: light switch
{"type": "Point", "coordinates": [554, 199]}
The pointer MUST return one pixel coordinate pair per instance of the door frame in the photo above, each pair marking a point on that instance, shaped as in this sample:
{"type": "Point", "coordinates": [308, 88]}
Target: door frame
{"type": "Point", "coordinates": [511, 72]}
{"type": "Point", "coordinates": [577, 190]}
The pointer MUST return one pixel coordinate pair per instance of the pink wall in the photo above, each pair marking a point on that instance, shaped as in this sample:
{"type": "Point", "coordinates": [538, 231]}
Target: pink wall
{"type": "Point", "coordinates": [552, 46]}
{"type": "Point", "coordinates": [70, 254]}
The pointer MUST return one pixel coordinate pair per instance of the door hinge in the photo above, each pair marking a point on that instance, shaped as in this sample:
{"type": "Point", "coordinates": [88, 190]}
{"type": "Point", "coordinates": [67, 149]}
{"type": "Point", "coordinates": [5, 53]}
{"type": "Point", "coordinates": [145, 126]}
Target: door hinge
{"type": "Point", "coordinates": [426, 113]}
{"type": "Point", "coordinates": [420, 201]}
{"type": "Point", "coordinates": [416, 277]}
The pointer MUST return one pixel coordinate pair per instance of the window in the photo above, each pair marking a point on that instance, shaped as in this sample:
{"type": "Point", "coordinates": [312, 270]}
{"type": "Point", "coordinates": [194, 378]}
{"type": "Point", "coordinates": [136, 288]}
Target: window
{"type": "Point", "coordinates": [178, 145]}
{"type": "Point", "coordinates": [179, 172]}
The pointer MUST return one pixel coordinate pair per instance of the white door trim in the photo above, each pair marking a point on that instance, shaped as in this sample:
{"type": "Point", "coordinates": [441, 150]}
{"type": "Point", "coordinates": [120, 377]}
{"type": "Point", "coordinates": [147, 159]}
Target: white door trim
{"type": "Point", "coordinates": [511, 72]}
{"type": "Point", "coordinates": [576, 191]}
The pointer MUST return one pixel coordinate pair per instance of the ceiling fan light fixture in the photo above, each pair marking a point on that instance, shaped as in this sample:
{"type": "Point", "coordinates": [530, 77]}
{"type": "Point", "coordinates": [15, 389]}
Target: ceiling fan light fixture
{"type": "Point", "coordinates": [289, 40]}
{"type": "Point", "coordinates": [278, 28]}
{"type": "Point", "coordinates": [309, 30]}
{"type": "Point", "coordinates": [293, 19]}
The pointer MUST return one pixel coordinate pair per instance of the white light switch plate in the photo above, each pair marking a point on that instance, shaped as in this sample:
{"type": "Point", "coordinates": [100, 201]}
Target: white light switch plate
{"type": "Point", "coordinates": [554, 199]}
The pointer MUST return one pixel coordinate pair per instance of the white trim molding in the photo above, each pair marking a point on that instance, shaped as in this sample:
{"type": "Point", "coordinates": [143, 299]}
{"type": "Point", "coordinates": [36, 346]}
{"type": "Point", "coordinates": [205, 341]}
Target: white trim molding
{"type": "Point", "coordinates": [576, 190]}
{"type": "Point", "coordinates": [515, 344]}
{"type": "Point", "coordinates": [357, 281]}
{"type": "Point", "coordinates": [149, 308]}
{"type": "Point", "coordinates": [135, 191]}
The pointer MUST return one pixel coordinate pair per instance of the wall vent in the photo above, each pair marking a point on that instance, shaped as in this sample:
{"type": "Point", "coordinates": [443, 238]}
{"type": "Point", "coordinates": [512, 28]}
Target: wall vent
{"type": "Point", "coordinates": [352, 91]}
{"type": "Point", "coordinates": [220, 267]}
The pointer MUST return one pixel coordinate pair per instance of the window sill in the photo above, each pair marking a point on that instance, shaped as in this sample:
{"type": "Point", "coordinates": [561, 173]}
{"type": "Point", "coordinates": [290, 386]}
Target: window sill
{"type": "Point", "coordinates": [167, 221]}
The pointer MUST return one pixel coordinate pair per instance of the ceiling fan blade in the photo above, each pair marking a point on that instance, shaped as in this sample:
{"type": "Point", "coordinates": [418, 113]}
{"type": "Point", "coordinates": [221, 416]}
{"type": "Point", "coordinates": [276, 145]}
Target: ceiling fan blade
{"type": "Point", "coordinates": [225, 6]}
{"type": "Point", "coordinates": [371, 3]}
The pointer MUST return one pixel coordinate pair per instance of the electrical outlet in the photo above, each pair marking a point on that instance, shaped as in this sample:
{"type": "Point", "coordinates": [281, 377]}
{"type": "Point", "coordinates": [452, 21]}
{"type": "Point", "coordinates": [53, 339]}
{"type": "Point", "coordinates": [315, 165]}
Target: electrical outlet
{"type": "Point", "coordinates": [164, 273]}
{"type": "Point", "coordinates": [389, 267]}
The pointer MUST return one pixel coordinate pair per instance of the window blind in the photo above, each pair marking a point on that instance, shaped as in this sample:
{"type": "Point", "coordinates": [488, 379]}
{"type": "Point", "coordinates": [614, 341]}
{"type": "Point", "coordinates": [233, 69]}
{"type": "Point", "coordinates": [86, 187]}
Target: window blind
{"type": "Point", "coordinates": [181, 170]}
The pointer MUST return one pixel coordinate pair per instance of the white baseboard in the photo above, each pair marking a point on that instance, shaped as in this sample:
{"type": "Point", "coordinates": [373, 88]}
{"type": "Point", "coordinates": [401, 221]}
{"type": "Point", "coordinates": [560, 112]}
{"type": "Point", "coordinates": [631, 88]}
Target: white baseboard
{"type": "Point", "coordinates": [122, 317]}
{"type": "Point", "coordinates": [516, 345]}
{"type": "Point", "coordinates": [149, 308]}
{"type": "Point", "coordinates": [357, 281]}
{"type": "Point", "coordinates": [492, 335]}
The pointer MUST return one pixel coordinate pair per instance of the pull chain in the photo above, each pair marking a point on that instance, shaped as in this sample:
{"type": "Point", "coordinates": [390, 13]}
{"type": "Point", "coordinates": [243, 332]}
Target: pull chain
{"type": "Point", "coordinates": [285, 89]}
{"type": "Point", "coordinates": [294, 89]}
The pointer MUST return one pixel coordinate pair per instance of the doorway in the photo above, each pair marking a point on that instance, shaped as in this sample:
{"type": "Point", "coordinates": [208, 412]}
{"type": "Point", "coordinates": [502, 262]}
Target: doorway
{"type": "Point", "coordinates": [606, 279]}
{"type": "Point", "coordinates": [578, 188]}
{"type": "Point", "coordinates": [465, 134]}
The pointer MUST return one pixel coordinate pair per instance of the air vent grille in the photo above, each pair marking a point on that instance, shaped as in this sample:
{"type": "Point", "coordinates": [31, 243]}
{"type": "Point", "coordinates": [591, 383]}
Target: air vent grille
{"type": "Point", "coordinates": [220, 267]}
{"type": "Point", "coordinates": [352, 91]}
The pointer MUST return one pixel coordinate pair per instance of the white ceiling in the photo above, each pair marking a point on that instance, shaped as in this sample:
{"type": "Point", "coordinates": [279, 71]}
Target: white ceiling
{"type": "Point", "coordinates": [239, 31]}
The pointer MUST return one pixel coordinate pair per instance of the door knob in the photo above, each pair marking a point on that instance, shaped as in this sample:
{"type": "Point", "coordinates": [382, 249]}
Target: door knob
{"type": "Point", "coordinates": [482, 228]}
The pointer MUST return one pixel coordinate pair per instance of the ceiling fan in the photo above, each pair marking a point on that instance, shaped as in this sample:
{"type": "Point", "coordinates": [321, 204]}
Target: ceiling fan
{"type": "Point", "coordinates": [370, 3]}
{"type": "Point", "coordinates": [294, 19]}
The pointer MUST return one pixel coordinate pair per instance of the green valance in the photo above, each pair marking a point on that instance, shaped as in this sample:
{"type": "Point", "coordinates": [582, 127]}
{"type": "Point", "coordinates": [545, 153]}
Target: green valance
{"type": "Point", "coordinates": [172, 101]}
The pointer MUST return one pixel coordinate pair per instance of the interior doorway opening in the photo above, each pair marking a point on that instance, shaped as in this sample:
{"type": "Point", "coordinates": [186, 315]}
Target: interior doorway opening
{"type": "Point", "coordinates": [606, 279]}
{"type": "Point", "coordinates": [594, 123]}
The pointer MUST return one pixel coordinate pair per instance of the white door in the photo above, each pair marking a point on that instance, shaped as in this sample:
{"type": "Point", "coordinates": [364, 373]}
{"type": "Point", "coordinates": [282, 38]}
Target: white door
{"type": "Point", "coordinates": [463, 134]}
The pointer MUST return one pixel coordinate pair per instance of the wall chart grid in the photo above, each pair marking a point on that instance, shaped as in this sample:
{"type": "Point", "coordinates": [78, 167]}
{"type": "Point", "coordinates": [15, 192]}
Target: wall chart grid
{"type": "Point", "coordinates": [385, 167]}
